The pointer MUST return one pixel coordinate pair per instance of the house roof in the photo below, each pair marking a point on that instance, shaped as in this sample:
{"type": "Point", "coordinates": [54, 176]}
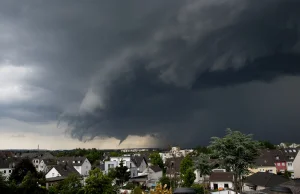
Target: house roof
{"type": "Point", "coordinates": [138, 160]}
{"type": "Point", "coordinates": [156, 168]}
{"type": "Point", "coordinates": [265, 179]}
{"type": "Point", "coordinates": [50, 162]}
{"type": "Point", "coordinates": [74, 161]}
{"type": "Point", "coordinates": [173, 165]}
{"type": "Point", "coordinates": [4, 163]}
{"type": "Point", "coordinates": [290, 153]}
{"type": "Point", "coordinates": [294, 185]}
{"type": "Point", "coordinates": [6, 154]}
{"type": "Point", "coordinates": [9, 162]}
{"type": "Point", "coordinates": [65, 170]}
{"type": "Point", "coordinates": [221, 177]}
{"type": "Point", "coordinates": [32, 155]}
{"type": "Point", "coordinates": [266, 158]}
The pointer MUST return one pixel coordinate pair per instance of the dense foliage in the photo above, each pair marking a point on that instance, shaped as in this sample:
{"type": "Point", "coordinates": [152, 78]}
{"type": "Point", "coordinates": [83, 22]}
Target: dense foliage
{"type": "Point", "coordinates": [187, 172]}
{"type": "Point", "coordinates": [236, 151]}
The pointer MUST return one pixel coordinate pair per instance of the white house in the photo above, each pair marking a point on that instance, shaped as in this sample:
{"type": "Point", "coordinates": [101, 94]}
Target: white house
{"type": "Point", "coordinates": [221, 180]}
{"type": "Point", "coordinates": [81, 164]}
{"type": "Point", "coordinates": [6, 168]}
{"type": "Point", "coordinates": [58, 173]}
{"type": "Point", "coordinates": [154, 174]}
{"type": "Point", "coordinates": [36, 157]}
{"type": "Point", "coordinates": [140, 162]}
{"type": "Point", "coordinates": [296, 166]}
{"type": "Point", "coordinates": [127, 161]}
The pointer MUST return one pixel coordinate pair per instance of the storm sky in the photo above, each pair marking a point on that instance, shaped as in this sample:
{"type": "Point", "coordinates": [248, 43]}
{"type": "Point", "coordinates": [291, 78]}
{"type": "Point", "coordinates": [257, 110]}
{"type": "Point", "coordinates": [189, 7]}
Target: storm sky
{"type": "Point", "coordinates": [154, 72]}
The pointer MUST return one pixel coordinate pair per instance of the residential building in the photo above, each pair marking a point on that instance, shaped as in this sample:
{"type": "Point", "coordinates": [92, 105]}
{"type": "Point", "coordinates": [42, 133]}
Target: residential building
{"type": "Point", "coordinates": [6, 168]}
{"type": "Point", "coordinates": [175, 152]}
{"type": "Point", "coordinates": [264, 163]}
{"type": "Point", "coordinates": [140, 162]}
{"type": "Point", "coordinates": [36, 157]}
{"type": "Point", "coordinates": [262, 180]}
{"type": "Point", "coordinates": [221, 180]}
{"type": "Point", "coordinates": [154, 174]}
{"type": "Point", "coordinates": [173, 167]}
{"type": "Point", "coordinates": [279, 160]}
{"type": "Point", "coordinates": [290, 155]}
{"type": "Point", "coordinates": [81, 164]}
{"type": "Point", "coordinates": [59, 173]}
{"type": "Point", "coordinates": [127, 161]}
{"type": "Point", "coordinates": [296, 166]}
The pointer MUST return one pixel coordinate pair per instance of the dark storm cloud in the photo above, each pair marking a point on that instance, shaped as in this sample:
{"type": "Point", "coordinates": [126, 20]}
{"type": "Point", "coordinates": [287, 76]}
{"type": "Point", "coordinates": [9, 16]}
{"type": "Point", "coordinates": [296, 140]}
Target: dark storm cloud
{"type": "Point", "coordinates": [179, 70]}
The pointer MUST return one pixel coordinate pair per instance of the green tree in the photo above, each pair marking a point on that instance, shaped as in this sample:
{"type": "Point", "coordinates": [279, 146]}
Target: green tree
{"type": "Point", "coordinates": [98, 183]}
{"type": "Point", "coordinates": [122, 173]}
{"type": "Point", "coordinates": [189, 178]}
{"type": "Point", "coordinates": [186, 171]}
{"type": "Point", "coordinates": [30, 185]}
{"type": "Point", "coordinates": [204, 165]}
{"type": "Point", "coordinates": [3, 184]}
{"type": "Point", "coordinates": [198, 188]}
{"type": "Point", "coordinates": [137, 190]}
{"type": "Point", "coordinates": [155, 159]}
{"type": "Point", "coordinates": [70, 185]}
{"type": "Point", "coordinates": [21, 170]}
{"type": "Point", "coordinates": [238, 152]}
{"type": "Point", "coordinates": [164, 180]}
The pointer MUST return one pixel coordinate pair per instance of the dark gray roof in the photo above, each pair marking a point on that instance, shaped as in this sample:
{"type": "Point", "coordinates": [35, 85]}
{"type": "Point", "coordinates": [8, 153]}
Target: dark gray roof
{"type": "Point", "coordinates": [138, 160]}
{"type": "Point", "coordinates": [156, 168]}
{"type": "Point", "coordinates": [32, 155]}
{"type": "Point", "coordinates": [265, 179]}
{"type": "Point", "coordinates": [221, 176]}
{"type": "Point", "coordinates": [265, 158]}
{"type": "Point", "coordinates": [74, 161]}
{"type": "Point", "coordinates": [65, 170]}
{"type": "Point", "coordinates": [173, 165]}
{"type": "Point", "coordinates": [4, 163]}
{"type": "Point", "coordinates": [290, 153]}
{"type": "Point", "coordinates": [294, 185]}
{"type": "Point", "coordinates": [50, 162]}
{"type": "Point", "coordinates": [184, 191]}
{"type": "Point", "coordinates": [9, 162]}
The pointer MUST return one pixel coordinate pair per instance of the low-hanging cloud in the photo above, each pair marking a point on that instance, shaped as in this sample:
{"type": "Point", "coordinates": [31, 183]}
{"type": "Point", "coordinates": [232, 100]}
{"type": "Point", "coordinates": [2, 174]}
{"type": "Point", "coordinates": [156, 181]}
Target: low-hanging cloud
{"type": "Point", "coordinates": [175, 70]}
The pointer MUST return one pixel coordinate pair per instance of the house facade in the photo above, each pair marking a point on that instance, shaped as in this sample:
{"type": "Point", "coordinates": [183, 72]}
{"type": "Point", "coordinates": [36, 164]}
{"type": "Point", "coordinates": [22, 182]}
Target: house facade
{"type": "Point", "coordinates": [296, 166]}
{"type": "Point", "coordinates": [127, 161]}
{"type": "Point", "coordinates": [59, 173]}
{"type": "Point", "coordinates": [6, 168]}
{"type": "Point", "coordinates": [81, 164]}
{"type": "Point", "coordinates": [154, 174]}
{"type": "Point", "coordinates": [221, 180]}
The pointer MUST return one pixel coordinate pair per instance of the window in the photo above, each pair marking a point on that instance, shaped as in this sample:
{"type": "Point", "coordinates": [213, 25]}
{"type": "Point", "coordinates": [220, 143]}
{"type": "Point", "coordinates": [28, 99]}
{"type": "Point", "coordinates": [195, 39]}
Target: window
{"type": "Point", "coordinates": [4, 171]}
{"type": "Point", "coordinates": [9, 171]}
{"type": "Point", "coordinates": [289, 164]}
{"type": "Point", "coordinates": [283, 164]}
{"type": "Point", "coordinates": [277, 157]}
{"type": "Point", "coordinates": [226, 186]}
{"type": "Point", "coordinates": [290, 150]}
{"type": "Point", "coordinates": [294, 150]}
{"type": "Point", "coordinates": [278, 164]}
{"type": "Point", "coordinates": [73, 161]}
{"type": "Point", "coordinates": [86, 167]}
{"type": "Point", "coordinates": [52, 174]}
